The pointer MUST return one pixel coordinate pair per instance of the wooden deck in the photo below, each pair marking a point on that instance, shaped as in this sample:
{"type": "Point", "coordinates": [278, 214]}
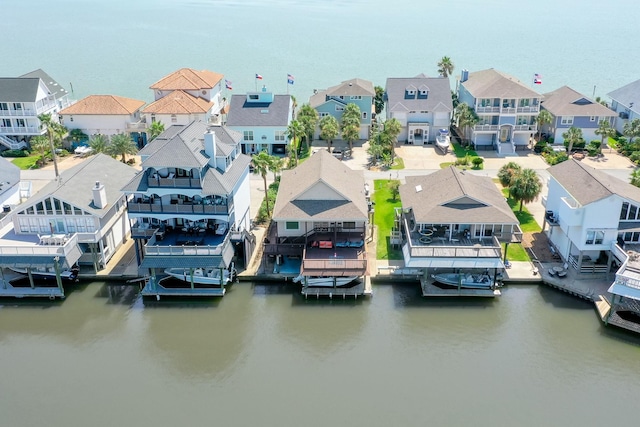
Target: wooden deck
{"type": "Point", "coordinates": [363, 288]}
{"type": "Point", "coordinates": [429, 289]}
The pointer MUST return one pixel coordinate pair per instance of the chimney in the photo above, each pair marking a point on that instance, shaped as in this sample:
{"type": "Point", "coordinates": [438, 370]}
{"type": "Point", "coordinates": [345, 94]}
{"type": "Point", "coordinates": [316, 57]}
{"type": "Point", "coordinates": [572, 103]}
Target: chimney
{"type": "Point", "coordinates": [264, 88]}
{"type": "Point", "coordinates": [99, 196]}
{"type": "Point", "coordinates": [210, 146]}
{"type": "Point", "coordinates": [464, 76]}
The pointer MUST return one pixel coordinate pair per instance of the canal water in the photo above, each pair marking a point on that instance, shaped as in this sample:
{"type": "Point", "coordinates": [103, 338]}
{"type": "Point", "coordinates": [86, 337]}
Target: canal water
{"type": "Point", "coordinates": [263, 355]}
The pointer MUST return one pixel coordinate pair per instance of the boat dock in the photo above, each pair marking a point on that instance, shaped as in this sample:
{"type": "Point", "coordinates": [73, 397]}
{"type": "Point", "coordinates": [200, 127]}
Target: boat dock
{"type": "Point", "coordinates": [429, 289]}
{"type": "Point", "coordinates": [363, 288]}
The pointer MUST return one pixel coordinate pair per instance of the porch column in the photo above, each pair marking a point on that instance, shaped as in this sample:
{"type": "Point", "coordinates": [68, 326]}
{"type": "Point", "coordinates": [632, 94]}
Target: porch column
{"type": "Point", "coordinates": [4, 283]}
{"type": "Point", "coordinates": [56, 267]}
{"type": "Point", "coordinates": [33, 286]}
{"type": "Point", "coordinates": [580, 262]}
{"type": "Point", "coordinates": [191, 276]}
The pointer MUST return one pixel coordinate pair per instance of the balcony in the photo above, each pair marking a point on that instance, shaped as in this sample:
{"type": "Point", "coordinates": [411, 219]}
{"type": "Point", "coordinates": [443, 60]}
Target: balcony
{"type": "Point", "coordinates": [140, 125]}
{"type": "Point", "coordinates": [533, 110]}
{"type": "Point", "coordinates": [48, 246]}
{"type": "Point", "coordinates": [183, 244]}
{"type": "Point", "coordinates": [184, 208]}
{"type": "Point", "coordinates": [485, 128]}
{"type": "Point", "coordinates": [17, 130]}
{"type": "Point", "coordinates": [172, 182]}
{"type": "Point", "coordinates": [18, 113]}
{"type": "Point", "coordinates": [480, 109]}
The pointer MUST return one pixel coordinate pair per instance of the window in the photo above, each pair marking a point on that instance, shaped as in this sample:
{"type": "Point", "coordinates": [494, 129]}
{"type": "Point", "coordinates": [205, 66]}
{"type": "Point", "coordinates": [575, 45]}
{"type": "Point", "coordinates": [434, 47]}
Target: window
{"type": "Point", "coordinates": [624, 211]}
{"type": "Point", "coordinates": [6, 123]}
{"type": "Point", "coordinates": [292, 225]}
{"type": "Point", "coordinates": [339, 108]}
{"type": "Point", "coordinates": [254, 97]}
{"type": "Point", "coordinates": [633, 211]}
{"type": "Point", "coordinates": [356, 97]}
{"type": "Point", "coordinates": [70, 118]}
{"type": "Point", "coordinates": [524, 102]}
{"type": "Point", "coordinates": [593, 118]}
{"type": "Point", "coordinates": [594, 237]}
{"type": "Point", "coordinates": [17, 106]}
{"type": "Point", "coordinates": [411, 92]}
{"type": "Point", "coordinates": [523, 120]}
{"type": "Point", "coordinates": [279, 136]}
{"type": "Point", "coordinates": [4, 106]}
{"type": "Point", "coordinates": [174, 119]}
{"type": "Point", "coordinates": [349, 225]}
{"type": "Point", "coordinates": [248, 135]}
{"type": "Point", "coordinates": [20, 123]}
{"type": "Point", "coordinates": [486, 102]}
{"type": "Point", "coordinates": [566, 120]}
{"type": "Point", "coordinates": [423, 93]}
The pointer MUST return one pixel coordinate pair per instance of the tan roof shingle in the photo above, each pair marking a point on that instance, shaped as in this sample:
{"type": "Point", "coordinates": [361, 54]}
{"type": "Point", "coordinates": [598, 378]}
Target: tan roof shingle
{"type": "Point", "coordinates": [178, 102]}
{"type": "Point", "coordinates": [496, 84]}
{"type": "Point", "coordinates": [104, 105]}
{"type": "Point", "coordinates": [188, 79]}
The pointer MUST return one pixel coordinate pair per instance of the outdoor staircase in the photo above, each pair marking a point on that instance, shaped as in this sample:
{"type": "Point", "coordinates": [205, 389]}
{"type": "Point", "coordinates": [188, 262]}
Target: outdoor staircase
{"type": "Point", "coordinates": [11, 144]}
{"type": "Point", "coordinates": [506, 148]}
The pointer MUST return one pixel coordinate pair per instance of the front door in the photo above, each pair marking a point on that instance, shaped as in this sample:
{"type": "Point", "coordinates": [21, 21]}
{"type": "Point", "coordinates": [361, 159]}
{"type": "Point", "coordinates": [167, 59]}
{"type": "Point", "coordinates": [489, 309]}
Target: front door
{"type": "Point", "coordinates": [504, 134]}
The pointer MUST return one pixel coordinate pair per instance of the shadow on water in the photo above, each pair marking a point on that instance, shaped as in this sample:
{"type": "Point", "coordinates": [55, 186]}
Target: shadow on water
{"type": "Point", "coordinates": [275, 288]}
{"type": "Point", "coordinates": [560, 299]}
{"type": "Point", "coordinates": [619, 334]}
{"type": "Point", "coordinates": [408, 295]}
{"type": "Point", "coordinates": [118, 294]}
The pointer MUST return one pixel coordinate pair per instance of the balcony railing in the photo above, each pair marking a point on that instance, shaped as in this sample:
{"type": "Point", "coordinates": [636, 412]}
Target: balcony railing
{"type": "Point", "coordinates": [151, 249]}
{"type": "Point", "coordinates": [457, 251]}
{"type": "Point", "coordinates": [508, 110]}
{"type": "Point", "coordinates": [484, 128]}
{"type": "Point", "coordinates": [334, 264]}
{"type": "Point", "coordinates": [180, 209]}
{"type": "Point", "coordinates": [532, 128]}
{"type": "Point", "coordinates": [533, 109]}
{"type": "Point", "coordinates": [487, 109]}
{"type": "Point", "coordinates": [174, 182]}
{"type": "Point", "coordinates": [18, 113]}
{"type": "Point", "coordinates": [42, 249]}
{"type": "Point", "coordinates": [139, 125]}
{"type": "Point", "coordinates": [12, 130]}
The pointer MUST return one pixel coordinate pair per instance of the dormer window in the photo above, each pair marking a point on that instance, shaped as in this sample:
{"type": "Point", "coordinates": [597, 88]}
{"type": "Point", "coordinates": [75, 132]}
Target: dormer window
{"type": "Point", "coordinates": [423, 92]}
{"type": "Point", "coordinates": [411, 92]}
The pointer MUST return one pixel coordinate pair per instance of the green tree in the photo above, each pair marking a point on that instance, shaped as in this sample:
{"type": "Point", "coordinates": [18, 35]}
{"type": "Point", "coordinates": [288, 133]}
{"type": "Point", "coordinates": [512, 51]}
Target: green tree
{"type": "Point", "coordinates": [526, 187]}
{"type": "Point", "coordinates": [466, 119]}
{"type": "Point", "coordinates": [55, 131]}
{"type": "Point", "coordinates": [605, 130]}
{"type": "Point", "coordinates": [308, 117]}
{"type": "Point", "coordinates": [571, 137]}
{"type": "Point", "coordinates": [76, 135]}
{"type": "Point", "coordinates": [98, 143]}
{"type": "Point", "coordinates": [378, 100]}
{"type": "Point", "coordinates": [445, 66]}
{"type": "Point", "coordinates": [121, 145]}
{"type": "Point", "coordinates": [635, 178]}
{"type": "Point", "coordinates": [328, 129]}
{"type": "Point", "coordinates": [261, 163]}
{"type": "Point", "coordinates": [276, 164]}
{"type": "Point", "coordinates": [394, 188]}
{"type": "Point", "coordinates": [508, 172]}
{"type": "Point", "coordinates": [294, 132]}
{"type": "Point", "coordinates": [632, 130]}
{"type": "Point", "coordinates": [40, 144]}
{"type": "Point", "coordinates": [155, 129]}
{"type": "Point", "coordinates": [350, 126]}
{"type": "Point", "coordinates": [391, 129]}
{"type": "Point", "coordinates": [543, 118]}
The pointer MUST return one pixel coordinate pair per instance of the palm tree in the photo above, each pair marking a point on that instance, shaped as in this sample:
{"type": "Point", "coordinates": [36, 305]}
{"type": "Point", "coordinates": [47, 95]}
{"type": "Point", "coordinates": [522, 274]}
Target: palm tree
{"type": "Point", "coordinates": [98, 143]}
{"type": "Point", "coordinates": [508, 172]}
{"type": "Point", "coordinates": [155, 129]}
{"type": "Point", "coordinates": [572, 136]}
{"type": "Point", "coordinates": [261, 163]}
{"type": "Point", "coordinates": [445, 66]}
{"type": "Point", "coordinates": [40, 144]}
{"type": "Point", "coordinates": [466, 118]}
{"type": "Point", "coordinates": [121, 145]}
{"type": "Point", "coordinates": [635, 178]}
{"type": "Point", "coordinates": [390, 130]}
{"type": "Point", "coordinates": [526, 187]}
{"type": "Point", "coordinates": [276, 166]}
{"type": "Point", "coordinates": [54, 130]}
{"type": "Point", "coordinates": [544, 118]}
{"type": "Point", "coordinates": [632, 130]}
{"type": "Point", "coordinates": [378, 101]}
{"type": "Point", "coordinates": [605, 130]}
{"type": "Point", "coordinates": [328, 129]}
{"type": "Point", "coordinates": [308, 117]}
{"type": "Point", "coordinates": [350, 126]}
{"type": "Point", "coordinates": [294, 132]}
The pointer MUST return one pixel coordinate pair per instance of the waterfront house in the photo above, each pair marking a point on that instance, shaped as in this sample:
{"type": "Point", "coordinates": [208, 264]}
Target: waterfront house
{"type": "Point", "coordinates": [9, 185]}
{"type": "Point", "coordinates": [320, 218]}
{"type": "Point", "coordinates": [625, 101]}
{"type": "Point", "coordinates": [184, 96]}
{"type": "Point", "coordinates": [452, 219]}
{"type": "Point", "coordinates": [588, 212]}
{"type": "Point", "coordinates": [332, 101]}
{"type": "Point", "coordinates": [80, 218]}
{"type": "Point", "coordinates": [106, 115]}
{"type": "Point", "coordinates": [189, 206]}
{"type": "Point", "coordinates": [570, 108]}
{"type": "Point", "coordinates": [262, 119]}
{"type": "Point", "coordinates": [22, 100]}
{"type": "Point", "coordinates": [421, 104]}
{"type": "Point", "coordinates": [506, 110]}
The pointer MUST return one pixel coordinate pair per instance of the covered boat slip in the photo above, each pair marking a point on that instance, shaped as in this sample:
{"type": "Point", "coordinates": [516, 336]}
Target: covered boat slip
{"type": "Point", "coordinates": [165, 287]}
{"type": "Point", "coordinates": [360, 288]}
{"type": "Point", "coordinates": [430, 289]}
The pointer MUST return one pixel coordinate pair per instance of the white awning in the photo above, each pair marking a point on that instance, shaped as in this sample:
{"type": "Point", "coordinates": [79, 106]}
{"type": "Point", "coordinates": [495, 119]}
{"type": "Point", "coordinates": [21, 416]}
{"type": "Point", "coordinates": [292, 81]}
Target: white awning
{"type": "Point", "coordinates": [454, 263]}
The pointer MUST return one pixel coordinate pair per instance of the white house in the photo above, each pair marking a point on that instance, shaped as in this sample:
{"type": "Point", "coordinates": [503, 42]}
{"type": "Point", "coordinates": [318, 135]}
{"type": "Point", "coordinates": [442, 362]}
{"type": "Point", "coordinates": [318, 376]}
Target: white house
{"type": "Point", "coordinates": [185, 96]}
{"type": "Point", "coordinates": [625, 101]}
{"type": "Point", "coordinates": [106, 115]}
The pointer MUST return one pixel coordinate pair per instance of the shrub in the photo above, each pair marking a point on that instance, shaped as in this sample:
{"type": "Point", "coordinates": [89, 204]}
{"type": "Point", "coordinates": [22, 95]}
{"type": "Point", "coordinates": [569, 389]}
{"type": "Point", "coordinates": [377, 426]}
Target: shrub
{"type": "Point", "coordinates": [555, 157]}
{"type": "Point", "coordinates": [15, 153]}
{"type": "Point", "coordinates": [635, 157]}
{"type": "Point", "coordinates": [131, 162]}
{"type": "Point", "coordinates": [540, 146]}
{"type": "Point", "coordinates": [477, 162]}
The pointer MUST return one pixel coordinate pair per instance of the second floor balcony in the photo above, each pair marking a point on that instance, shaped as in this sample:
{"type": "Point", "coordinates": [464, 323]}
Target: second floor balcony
{"type": "Point", "coordinates": [20, 130]}
{"type": "Point", "coordinates": [212, 206]}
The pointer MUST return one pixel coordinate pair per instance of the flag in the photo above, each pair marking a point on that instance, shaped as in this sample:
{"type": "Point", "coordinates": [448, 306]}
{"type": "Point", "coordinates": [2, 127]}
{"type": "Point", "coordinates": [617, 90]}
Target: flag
{"type": "Point", "coordinates": [258, 77]}
{"type": "Point", "coordinates": [289, 79]}
{"type": "Point", "coordinates": [227, 83]}
{"type": "Point", "coordinates": [537, 79]}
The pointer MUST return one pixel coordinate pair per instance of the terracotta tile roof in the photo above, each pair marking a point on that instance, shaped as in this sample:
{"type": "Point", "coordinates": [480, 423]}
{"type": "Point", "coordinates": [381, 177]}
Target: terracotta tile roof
{"type": "Point", "coordinates": [104, 104]}
{"type": "Point", "coordinates": [188, 79]}
{"type": "Point", "coordinates": [178, 102]}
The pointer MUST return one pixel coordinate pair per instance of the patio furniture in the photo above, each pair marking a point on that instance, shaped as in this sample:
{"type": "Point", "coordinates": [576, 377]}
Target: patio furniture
{"type": "Point", "coordinates": [425, 239]}
{"type": "Point", "coordinates": [562, 273]}
{"type": "Point", "coordinates": [551, 272]}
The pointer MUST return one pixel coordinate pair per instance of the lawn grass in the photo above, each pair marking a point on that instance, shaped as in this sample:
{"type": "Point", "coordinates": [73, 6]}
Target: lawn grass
{"type": "Point", "coordinates": [397, 164]}
{"type": "Point", "coordinates": [527, 221]}
{"type": "Point", "coordinates": [384, 218]}
{"type": "Point", "coordinates": [461, 151]}
{"type": "Point", "coordinates": [26, 163]}
{"type": "Point", "coordinates": [516, 252]}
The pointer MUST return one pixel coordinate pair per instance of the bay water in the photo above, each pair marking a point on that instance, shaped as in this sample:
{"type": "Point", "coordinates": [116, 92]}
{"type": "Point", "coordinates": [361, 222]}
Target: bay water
{"type": "Point", "coordinates": [263, 354]}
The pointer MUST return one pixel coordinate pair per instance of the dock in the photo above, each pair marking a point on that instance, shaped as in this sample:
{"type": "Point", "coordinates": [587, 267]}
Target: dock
{"type": "Point", "coordinates": [363, 288]}
{"type": "Point", "coordinates": [158, 290]}
{"type": "Point", "coordinates": [429, 289]}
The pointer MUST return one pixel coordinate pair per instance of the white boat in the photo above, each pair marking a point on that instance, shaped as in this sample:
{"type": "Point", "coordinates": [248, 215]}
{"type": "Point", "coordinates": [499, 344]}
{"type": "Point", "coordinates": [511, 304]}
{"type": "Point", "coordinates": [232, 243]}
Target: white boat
{"type": "Point", "coordinates": [465, 280]}
{"type": "Point", "coordinates": [316, 281]}
{"type": "Point", "coordinates": [49, 273]}
{"type": "Point", "coordinates": [443, 139]}
{"type": "Point", "coordinates": [202, 276]}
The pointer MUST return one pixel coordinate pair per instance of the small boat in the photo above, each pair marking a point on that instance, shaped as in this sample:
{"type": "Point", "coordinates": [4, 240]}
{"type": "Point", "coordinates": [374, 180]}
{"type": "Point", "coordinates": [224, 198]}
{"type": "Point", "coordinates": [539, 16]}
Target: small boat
{"type": "Point", "coordinates": [325, 282]}
{"type": "Point", "coordinates": [443, 139]}
{"type": "Point", "coordinates": [49, 273]}
{"type": "Point", "coordinates": [465, 280]}
{"type": "Point", "coordinates": [202, 276]}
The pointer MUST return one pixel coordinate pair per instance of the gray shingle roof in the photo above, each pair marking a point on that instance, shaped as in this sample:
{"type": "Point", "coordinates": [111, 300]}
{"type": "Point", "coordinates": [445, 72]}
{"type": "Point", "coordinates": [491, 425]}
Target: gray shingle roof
{"type": "Point", "coordinates": [353, 87]}
{"type": "Point", "coordinates": [439, 92]}
{"type": "Point", "coordinates": [496, 84]}
{"type": "Point", "coordinates": [450, 196]}
{"type": "Point", "coordinates": [53, 86]}
{"type": "Point", "coordinates": [562, 102]}
{"type": "Point", "coordinates": [77, 183]}
{"type": "Point", "coordinates": [14, 89]}
{"type": "Point", "coordinates": [9, 175]}
{"type": "Point", "coordinates": [217, 183]}
{"type": "Point", "coordinates": [627, 95]}
{"type": "Point", "coordinates": [587, 185]}
{"type": "Point", "coordinates": [243, 113]}
{"type": "Point", "coordinates": [321, 171]}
